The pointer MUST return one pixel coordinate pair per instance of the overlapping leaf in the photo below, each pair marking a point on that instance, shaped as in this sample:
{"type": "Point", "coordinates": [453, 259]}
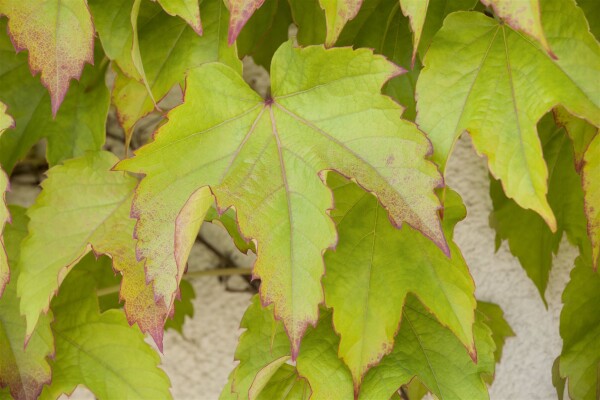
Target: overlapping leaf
{"type": "Point", "coordinates": [494, 319]}
{"type": "Point", "coordinates": [375, 266]}
{"type": "Point", "coordinates": [337, 13]}
{"type": "Point", "coordinates": [240, 12]}
{"type": "Point", "coordinates": [591, 187]}
{"type": "Point", "coordinates": [488, 73]}
{"type": "Point", "coordinates": [426, 18]}
{"type": "Point", "coordinates": [79, 125]}
{"type": "Point", "coordinates": [310, 20]}
{"type": "Point", "coordinates": [580, 331]}
{"type": "Point", "coordinates": [263, 342]}
{"type": "Point", "coordinates": [189, 10]}
{"type": "Point", "coordinates": [263, 157]}
{"type": "Point", "coordinates": [59, 42]}
{"type": "Point", "coordinates": [580, 132]}
{"type": "Point", "coordinates": [529, 238]}
{"type": "Point", "coordinates": [168, 48]}
{"type": "Point", "coordinates": [525, 16]}
{"type": "Point", "coordinates": [6, 122]}
{"type": "Point", "coordinates": [100, 350]}
{"type": "Point", "coordinates": [265, 31]}
{"type": "Point", "coordinates": [91, 204]}
{"type": "Point", "coordinates": [425, 349]}
{"type": "Point", "coordinates": [24, 370]}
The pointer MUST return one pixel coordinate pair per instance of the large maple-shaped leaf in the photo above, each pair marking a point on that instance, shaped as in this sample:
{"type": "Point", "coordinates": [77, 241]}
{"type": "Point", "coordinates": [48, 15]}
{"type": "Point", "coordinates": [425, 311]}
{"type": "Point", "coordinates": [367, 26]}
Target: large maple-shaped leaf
{"type": "Point", "coordinates": [529, 237]}
{"type": "Point", "coordinates": [59, 37]}
{"type": "Point", "coordinates": [263, 157]}
{"type": "Point", "coordinates": [240, 12]}
{"type": "Point", "coordinates": [168, 48]}
{"type": "Point", "coordinates": [79, 125]}
{"type": "Point", "coordinates": [337, 13]}
{"type": "Point", "coordinates": [425, 349]}
{"type": "Point", "coordinates": [100, 350]}
{"type": "Point", "coordinates": [525, 16]}
{"type": "Point", "coordinates": [189, 10]}
{"type": "Point", "coordinates": [6, 122]}
{"type": "Point", "coordinates": [580, 331]}
{"type": "Point", "coordinates": [91, 204]}
{"type": "Point", "coordinates": [376, 265]}
{"type": "Point", "coordinates": [23, 369]}
{"type": "Point", "coordinates": [487, 72]}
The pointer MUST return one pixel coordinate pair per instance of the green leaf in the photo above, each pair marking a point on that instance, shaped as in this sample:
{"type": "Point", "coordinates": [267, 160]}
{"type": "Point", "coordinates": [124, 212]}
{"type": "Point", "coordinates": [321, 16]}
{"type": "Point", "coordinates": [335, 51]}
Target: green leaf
{"type": "Point", "coordinates": [59, 43]}
{"type": "Point", "coordinates": [558, 381]}
{"type": "Point", "coordinates": [426, 349]}
{"type": "Point", "coordinates": [183, 307]}
{"type": "Point", "coordinates": [591, 8]}
{"type": "Point", "coordinates": [22, 369]}
{"type": "Point", "coordinates": [375, 266]}
{"type": "Point", "coordinates": [318, 362]}
{"type": "Point", "coordinates": [6, 122]}
{"type": "Point", "coordinates": [416, 11]}
{"type": "Point", "coordinates": [91, 204]}
{"type": "Point", "coordinates": [494, 319]}
{"type": "Point", "coordinates": [169, 47]}
{"type": "Point", "coordinates": [285, 384]}
{"type": "Point", "coordinates": [248, 151]}
{"type": "Point", "coordinates": [521, 15]}
{"type": "Point", "coordinates": [240, 12]}
{"type": "Point", "coordinates": [337, 14]}
{"type": "Point", "coordinates": [265, 31]}
{"type": "Point", "coordinates": [580, 132]}
{"type": "Point", "coordinates": [189, 10]}
{"type": "Point", "coordinates": [529, 237]}
{"type": "Point", "coordinates": [228, 220]}
{"type": "Point", "coordinates": [580, 331]}
{"type": "Point", "coordinates": [112, 20]}
{"type": "Point", "coordinates": [591, 187]}
{"type": "Point", "coordinates": [263, 342]}
{"type": "Point", "coordinates": [487, 72]}
{"type": "Point", "coordinates": [426, 19]}
{"type": "Point", "coordinates": [310, 20]}
{"type": "Point", "coordinates": [100, 351]}
{"type": "Point", "coordinates": [78, 127]}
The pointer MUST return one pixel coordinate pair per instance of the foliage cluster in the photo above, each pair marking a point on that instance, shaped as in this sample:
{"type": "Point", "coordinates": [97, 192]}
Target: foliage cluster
{"type": "Point", "coordinates": [335, 179]}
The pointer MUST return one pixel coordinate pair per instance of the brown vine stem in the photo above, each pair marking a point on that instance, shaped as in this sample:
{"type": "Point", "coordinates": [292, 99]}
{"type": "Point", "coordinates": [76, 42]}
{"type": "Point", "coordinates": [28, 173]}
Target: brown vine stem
{"type": "Point", "coordinates": [196, 274]}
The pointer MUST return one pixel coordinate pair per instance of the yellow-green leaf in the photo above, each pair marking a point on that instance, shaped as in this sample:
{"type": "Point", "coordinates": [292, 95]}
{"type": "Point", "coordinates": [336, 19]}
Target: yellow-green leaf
{"type": "Point", "coordinates": [580, 331]}
{"type": "Point", "coordinates": [337, 13]}
{"type": "Point", "coordinates": [265, 157]}
{"type": "Point", "coordinates": [91, 204]}
{"type": "Point", "coordinates": [488, 74]}
{"type": "Point", "coordinates": [23, 369]}
{"type": "Point", "coordinates": [188, 10]}
{"type": "Point", "coordinates": [100, 350]}
{"type": "Point", "coordinates": [59, 37]}
{"type": "Point", "coordinates": [168, 48]}
{"type": "Point", "coordinates": [375, 266]}
{"type": "Point", "coordinates": [6, 122]}
{"type": "Point", "coordinates": [591, 188]}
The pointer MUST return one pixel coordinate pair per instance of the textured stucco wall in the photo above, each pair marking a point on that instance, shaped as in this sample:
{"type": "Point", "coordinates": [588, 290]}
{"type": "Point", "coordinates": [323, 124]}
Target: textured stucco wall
{"type": "Point", "coordinates": [200, 361]}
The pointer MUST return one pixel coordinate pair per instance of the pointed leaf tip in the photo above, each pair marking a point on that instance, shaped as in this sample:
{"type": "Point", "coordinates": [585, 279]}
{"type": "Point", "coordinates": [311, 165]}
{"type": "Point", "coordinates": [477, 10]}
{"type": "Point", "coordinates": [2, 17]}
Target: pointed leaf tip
{"type": "Point", "coordinates": [240, 12]}
{"type": "Point", "coordinates": [59, 43]}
